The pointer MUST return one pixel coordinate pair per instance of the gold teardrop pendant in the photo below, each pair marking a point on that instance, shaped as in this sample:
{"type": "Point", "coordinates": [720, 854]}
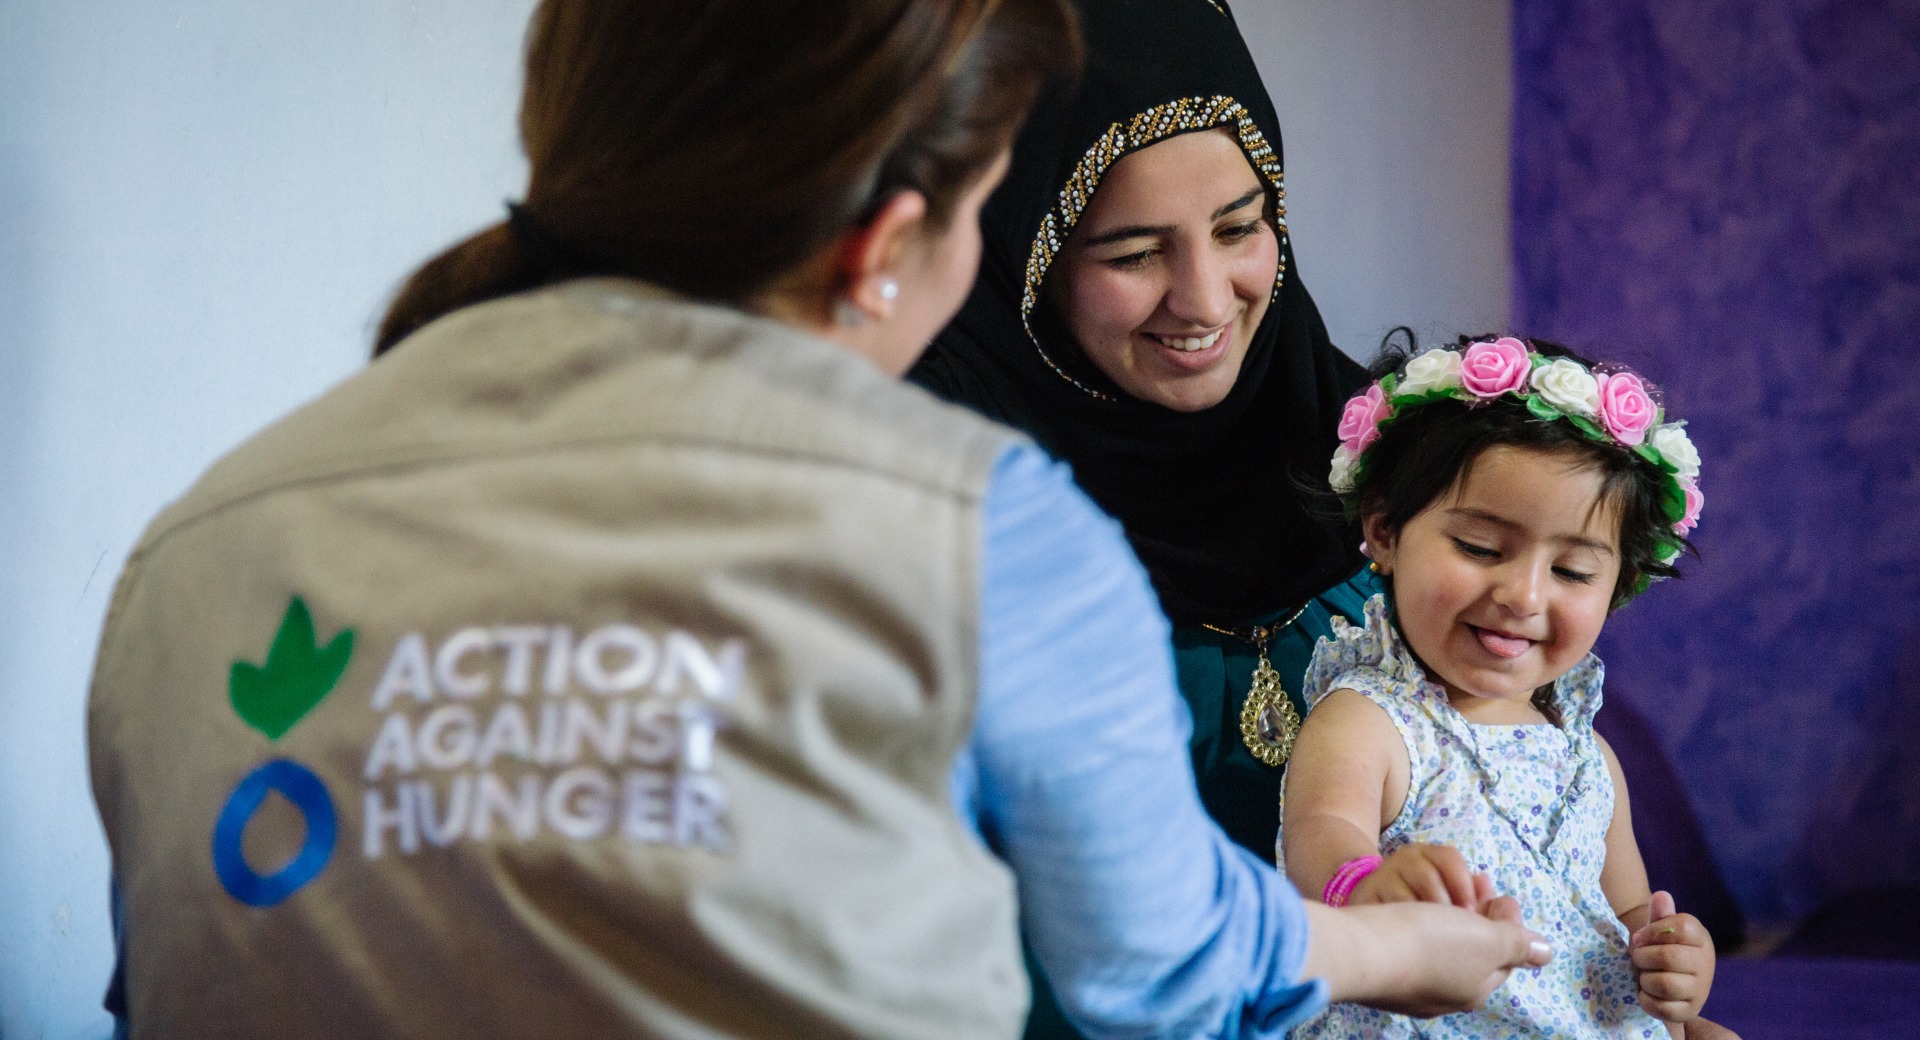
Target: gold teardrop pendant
{"type": "Point", "coordinates": [1268, 722]}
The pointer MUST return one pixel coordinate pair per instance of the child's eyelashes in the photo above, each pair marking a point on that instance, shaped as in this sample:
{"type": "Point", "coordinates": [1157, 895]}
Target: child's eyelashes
{"type": "Point", "coordinates": [1477, 552]}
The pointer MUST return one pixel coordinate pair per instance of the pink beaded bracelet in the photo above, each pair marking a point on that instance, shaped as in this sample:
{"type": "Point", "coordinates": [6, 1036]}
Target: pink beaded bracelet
{"type": "Point", "coordinates": [1351, 873]}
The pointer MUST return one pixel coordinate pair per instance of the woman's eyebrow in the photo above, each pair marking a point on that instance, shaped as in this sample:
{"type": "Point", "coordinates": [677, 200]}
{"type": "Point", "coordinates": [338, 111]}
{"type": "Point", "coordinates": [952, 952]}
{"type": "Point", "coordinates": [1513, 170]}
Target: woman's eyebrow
{"type": "Point", "coordinates": [1239, 203]}
{"type": "Point", "coordinates": [1130, 231]}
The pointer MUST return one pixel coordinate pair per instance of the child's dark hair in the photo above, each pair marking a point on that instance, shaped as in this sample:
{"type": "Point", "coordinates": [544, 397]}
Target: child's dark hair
{"type": "Point", "coordinates": [1426, 451]}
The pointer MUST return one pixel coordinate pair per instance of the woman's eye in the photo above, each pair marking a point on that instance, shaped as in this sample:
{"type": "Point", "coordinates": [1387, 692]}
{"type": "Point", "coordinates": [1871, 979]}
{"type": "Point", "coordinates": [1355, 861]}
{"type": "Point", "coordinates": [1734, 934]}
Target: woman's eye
{"type": "Point", "coordinates": [1236, 232]}
{"type": "Point", "coordinates": [1130, 261]}
{"type": "Point", "coordinates": [1478, 552]}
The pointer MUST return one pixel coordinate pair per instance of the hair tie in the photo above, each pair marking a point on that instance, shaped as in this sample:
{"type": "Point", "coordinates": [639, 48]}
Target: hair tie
{"type": "Point", "coordinates": [554, 259]}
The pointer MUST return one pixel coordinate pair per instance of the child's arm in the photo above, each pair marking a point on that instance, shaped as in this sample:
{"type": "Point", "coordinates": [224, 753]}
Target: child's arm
{"type": "Point", "coordinates": [1672, 953]}
{"type": "Point", "coordinates": [1346, 782]}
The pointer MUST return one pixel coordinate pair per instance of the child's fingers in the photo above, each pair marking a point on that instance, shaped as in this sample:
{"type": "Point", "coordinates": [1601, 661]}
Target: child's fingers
{"type": "Point", "coordinates": [1394, 890]}
{"type": "Point", "coordinates": [1483, 892]}
{"type": "Point", "coordinates": [1383, 886]}
{"type": "Point", "coordinates": [1682, 929]}
{"type": "Point", "coordinates": [1670, 985]}
{"type": "Point", "coordinates": [1503, 908]}
{"type": "Point", "coordinates": [1662, 906]}
{"type": "Point", "coordinates": [1667, 1010]}
{"type": "Point", "coordinates": [1668, 957]}
{"type": "Point", "coordinates": [1455, 876]}
{"type": "Point", "coordinates": [1426, 882]}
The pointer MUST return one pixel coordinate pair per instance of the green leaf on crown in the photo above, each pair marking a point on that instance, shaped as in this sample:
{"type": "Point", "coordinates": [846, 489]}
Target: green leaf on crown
{"type": "Point", "coordinates": [1652, 454]}
{"type": "Point", "coordinates": [298, 674]}
{"type": "Point", "coordinates": [1424, 397]}
{"type": "Point", "coordinates": [1673, 504]}
{"type": "Point", "coordinates": [1541, 409]}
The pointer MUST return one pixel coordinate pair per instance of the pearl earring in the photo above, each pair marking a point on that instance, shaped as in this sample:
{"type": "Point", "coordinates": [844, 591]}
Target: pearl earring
{"type": "Point", "coordinates": [848, 313]}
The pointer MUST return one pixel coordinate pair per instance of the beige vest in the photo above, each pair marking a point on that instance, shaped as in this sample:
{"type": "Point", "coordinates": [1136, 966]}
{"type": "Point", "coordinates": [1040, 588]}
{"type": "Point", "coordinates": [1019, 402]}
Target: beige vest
{"type": "Point", "coordinates": [592, 665]}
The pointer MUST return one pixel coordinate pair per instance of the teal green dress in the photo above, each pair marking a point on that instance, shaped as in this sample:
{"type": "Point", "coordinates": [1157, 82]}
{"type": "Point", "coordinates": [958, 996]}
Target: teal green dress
{"type": "Point", "coordinates": [1241, 793]}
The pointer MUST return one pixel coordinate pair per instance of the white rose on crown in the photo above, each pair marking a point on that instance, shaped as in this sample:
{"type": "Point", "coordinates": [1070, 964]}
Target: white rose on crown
{"type": "Point", "coordinates": [1568, 386]}
{"type": "Point", "coordinates": [1673, 444]}
{"type": "Point", "coordinates": [1344, 463]}
{"type": "Point", "coordinates": [1434, 370]}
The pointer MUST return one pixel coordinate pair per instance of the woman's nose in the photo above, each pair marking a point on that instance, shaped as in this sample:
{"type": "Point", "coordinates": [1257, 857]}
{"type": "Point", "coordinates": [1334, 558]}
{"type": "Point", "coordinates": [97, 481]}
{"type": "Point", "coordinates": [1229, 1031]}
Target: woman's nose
{"type": "Point", "coordinates": [1201, 289]}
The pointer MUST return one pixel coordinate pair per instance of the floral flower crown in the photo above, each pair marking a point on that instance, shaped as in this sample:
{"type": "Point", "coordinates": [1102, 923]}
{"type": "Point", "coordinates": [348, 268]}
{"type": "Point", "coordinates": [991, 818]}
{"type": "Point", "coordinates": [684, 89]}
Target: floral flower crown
{"type": "Point", "coordinates": [1606, 403]}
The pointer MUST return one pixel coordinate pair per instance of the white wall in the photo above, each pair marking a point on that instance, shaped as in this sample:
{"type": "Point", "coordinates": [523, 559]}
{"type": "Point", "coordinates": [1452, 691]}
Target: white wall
{"type": "Point", "coordinates": [1395, 115]}
{"type": "Point", "coordinates": [203, 204]}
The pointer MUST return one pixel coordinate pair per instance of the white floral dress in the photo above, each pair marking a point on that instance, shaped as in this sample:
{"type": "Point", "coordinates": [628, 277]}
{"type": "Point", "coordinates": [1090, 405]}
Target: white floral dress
{"type": "Point", "coordinates": [1528, 805]}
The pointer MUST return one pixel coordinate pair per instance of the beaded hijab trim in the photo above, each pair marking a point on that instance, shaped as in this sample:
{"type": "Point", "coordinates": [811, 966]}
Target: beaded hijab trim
{"type": "Point", "coordinates": [1153, 125]}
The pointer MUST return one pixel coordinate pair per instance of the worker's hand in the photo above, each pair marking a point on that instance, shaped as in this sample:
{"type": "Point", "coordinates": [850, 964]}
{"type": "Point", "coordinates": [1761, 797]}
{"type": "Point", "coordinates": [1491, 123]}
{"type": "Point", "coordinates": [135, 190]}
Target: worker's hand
{"type": "Point", "coordinates": [1420, 958]}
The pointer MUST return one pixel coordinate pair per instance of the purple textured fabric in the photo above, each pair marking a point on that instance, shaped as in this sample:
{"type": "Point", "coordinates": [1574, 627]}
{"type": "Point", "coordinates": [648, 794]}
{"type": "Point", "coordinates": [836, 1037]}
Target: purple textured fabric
{"type": "Point", "coordinates": [1727, 194]}
{"type": "Point", "coordinates": [1785, 998]}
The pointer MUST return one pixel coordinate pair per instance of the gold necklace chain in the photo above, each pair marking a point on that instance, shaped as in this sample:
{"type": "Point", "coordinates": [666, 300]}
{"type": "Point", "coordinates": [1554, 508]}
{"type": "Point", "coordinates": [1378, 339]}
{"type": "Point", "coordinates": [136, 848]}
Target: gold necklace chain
{"type": "Point", "coordinates": [1268, 720]}
{"type": "Point", "coordinates": [1259, 635]}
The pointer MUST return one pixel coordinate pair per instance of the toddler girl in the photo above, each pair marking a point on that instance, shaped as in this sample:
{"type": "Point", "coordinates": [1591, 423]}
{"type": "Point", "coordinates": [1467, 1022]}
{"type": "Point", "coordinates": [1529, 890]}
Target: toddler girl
{"type": "Point", "coordinates": [1512, 495]}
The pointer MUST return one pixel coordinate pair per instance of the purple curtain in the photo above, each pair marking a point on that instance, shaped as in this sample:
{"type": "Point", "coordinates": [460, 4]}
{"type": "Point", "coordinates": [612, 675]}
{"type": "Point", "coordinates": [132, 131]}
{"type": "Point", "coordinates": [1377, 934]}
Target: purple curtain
{"type": "Point", "coordinates": [1726, 193]}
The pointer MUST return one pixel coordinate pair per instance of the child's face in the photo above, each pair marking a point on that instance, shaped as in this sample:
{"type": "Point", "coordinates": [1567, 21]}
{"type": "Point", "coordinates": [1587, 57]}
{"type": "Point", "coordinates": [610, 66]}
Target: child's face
{"type": "Point", "coordinates": [1503, 584]}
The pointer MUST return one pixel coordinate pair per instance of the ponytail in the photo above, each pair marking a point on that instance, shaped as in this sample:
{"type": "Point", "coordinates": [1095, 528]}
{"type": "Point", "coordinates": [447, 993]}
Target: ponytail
{"type": "Point", "coordinates": [485, 266]}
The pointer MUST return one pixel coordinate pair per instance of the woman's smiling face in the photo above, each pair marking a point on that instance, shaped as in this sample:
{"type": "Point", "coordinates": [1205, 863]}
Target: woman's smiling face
{"type": "Point", "coordinates": [1171, 269]}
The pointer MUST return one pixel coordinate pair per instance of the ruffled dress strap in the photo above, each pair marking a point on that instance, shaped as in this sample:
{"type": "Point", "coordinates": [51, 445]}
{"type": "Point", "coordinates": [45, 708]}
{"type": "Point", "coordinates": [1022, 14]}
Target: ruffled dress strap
{"type": "Point", "coordinates": [1578, 693]}
{"type": "Point", "coordinates": [1369, 659]}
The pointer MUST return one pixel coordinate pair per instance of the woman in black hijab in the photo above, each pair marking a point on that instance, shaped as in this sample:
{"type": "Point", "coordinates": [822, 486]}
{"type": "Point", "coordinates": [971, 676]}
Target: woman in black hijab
{"type": "Point", "coordinates": [1211, 452]}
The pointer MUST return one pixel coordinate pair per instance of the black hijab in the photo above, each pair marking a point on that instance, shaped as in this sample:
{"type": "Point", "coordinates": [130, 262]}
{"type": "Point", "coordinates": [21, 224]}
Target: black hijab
{"type": "Point", "coordinates": [1226, 507]}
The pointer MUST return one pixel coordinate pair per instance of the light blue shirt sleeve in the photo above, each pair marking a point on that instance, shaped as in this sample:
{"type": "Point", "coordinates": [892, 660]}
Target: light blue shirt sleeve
{"type": "Point", "coordinates": [1145, 918]}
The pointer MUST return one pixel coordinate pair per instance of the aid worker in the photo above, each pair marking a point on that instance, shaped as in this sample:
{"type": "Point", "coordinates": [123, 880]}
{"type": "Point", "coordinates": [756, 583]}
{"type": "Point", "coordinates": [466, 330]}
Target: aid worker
{"type": "Point", "coordinates": [627, 652]}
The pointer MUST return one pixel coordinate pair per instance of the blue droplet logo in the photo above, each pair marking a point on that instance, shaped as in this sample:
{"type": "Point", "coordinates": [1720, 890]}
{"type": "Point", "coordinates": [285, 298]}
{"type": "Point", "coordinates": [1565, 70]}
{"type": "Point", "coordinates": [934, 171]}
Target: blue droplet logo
{"type": "Point", "coordinates": [298, 785]}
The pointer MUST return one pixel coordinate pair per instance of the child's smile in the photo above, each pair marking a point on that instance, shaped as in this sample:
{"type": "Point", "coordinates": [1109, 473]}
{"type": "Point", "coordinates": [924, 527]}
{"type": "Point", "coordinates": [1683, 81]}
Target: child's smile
{"type": "Point", "coordinates": [1502, 585]}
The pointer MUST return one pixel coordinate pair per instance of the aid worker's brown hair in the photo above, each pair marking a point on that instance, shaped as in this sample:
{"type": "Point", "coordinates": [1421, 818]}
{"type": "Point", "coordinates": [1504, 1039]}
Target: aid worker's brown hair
{"type": "Point", "coordinates": [712, 146]}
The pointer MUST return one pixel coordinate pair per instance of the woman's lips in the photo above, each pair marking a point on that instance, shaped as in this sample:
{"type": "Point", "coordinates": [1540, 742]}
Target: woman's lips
{"type": "Point", "coordinates": [1500, 644]}
{"type": "Point", "coordinates": [1192, 353]}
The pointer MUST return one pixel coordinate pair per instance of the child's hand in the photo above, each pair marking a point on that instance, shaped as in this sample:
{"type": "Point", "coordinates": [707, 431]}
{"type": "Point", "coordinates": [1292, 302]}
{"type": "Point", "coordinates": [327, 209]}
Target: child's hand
{"type": "Point", "coordinates": [1422, 873]}
{"type": "Point", "coordinates": [1673, 955]}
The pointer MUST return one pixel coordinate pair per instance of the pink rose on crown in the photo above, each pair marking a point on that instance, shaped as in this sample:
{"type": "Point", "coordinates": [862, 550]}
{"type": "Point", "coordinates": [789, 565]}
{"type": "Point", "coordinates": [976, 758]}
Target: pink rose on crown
{"type": "Point", "coordinates": [1491, 369]}
{"type": "Point", "coordinates": [1360, 423]}
{"type": "Point", "coordinates": [1626, 409]}
{"type": "Point", "coordinates": [1694, 501]}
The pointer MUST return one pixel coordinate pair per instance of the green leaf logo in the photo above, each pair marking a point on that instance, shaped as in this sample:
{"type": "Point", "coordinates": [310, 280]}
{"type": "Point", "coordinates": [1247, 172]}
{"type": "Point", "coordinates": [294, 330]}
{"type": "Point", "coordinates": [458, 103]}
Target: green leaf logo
{"type": "Point", "coordinates": [299, 674]}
